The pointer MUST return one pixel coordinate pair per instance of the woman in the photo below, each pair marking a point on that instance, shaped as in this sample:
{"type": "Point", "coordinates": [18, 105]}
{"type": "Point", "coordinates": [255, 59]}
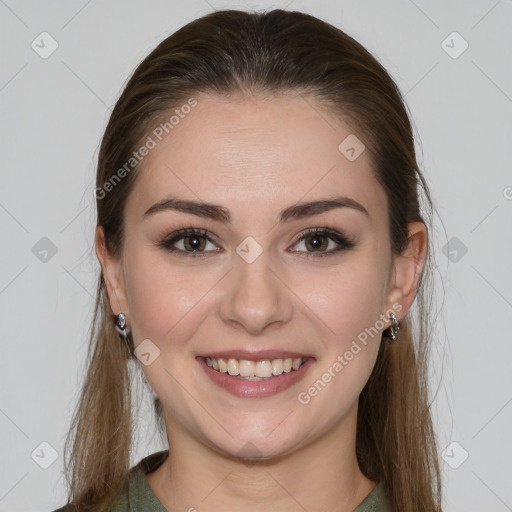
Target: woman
{"type": "Point", "coordinates": [261, 244]}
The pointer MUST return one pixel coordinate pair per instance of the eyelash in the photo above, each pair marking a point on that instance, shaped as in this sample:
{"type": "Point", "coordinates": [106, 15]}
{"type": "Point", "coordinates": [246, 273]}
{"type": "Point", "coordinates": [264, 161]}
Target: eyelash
{"type": "Point", "coordinates": [343, 242]}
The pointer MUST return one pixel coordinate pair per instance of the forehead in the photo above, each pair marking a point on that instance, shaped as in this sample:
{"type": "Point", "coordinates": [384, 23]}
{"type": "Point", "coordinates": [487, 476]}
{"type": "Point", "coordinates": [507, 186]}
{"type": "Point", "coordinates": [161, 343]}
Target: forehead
{"type": "Point", "coordinates": [255, 155]}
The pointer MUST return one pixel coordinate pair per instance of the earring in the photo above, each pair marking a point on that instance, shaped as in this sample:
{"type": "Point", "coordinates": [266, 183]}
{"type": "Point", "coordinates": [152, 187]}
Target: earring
{"type": "Point", "coordinates": [120, 326]}
{"type": "Point", "coordinates": [393, 329]}
{"type": "Point", "coordinates": [120, 320]}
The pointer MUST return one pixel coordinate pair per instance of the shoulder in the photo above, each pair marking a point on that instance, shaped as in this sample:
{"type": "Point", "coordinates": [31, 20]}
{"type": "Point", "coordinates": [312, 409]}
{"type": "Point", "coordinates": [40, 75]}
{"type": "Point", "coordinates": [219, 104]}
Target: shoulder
{"type": "Point", "coordinates": [136, 491]}
{"type": "Point", "coordinates": [152, 462]}
{"type": "Point", "coordinates": [376, 501]}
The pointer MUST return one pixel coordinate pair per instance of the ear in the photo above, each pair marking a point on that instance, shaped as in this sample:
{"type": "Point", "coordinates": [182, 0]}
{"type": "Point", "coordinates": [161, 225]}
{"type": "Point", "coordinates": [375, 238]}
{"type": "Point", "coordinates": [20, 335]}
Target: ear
{"type": "Point", "coordinates": [406, 269]}
{"type": "Point", "coordinates": [112, 274]}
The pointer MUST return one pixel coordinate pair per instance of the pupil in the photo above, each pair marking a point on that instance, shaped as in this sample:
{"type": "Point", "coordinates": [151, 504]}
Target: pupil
{"type": "Point", "coordinates": [316, 241]}
{"type": "Point", "coordinates": [194, 242]}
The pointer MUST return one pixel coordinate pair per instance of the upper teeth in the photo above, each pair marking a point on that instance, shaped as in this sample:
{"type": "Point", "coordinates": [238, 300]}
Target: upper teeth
{"type": "Point", "coordinates": [245, 368]}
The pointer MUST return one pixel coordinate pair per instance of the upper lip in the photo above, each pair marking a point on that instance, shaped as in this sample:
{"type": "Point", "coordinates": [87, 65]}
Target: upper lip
{"type": "Point", "coordinates": [255, 355]}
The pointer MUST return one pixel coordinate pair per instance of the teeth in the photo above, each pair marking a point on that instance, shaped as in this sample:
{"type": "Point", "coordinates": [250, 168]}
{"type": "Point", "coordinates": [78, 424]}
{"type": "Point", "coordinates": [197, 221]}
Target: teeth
{"type": "Point", "coordinates": [232, 365]}
{"type": "Point", "coordinates": [254, 370]}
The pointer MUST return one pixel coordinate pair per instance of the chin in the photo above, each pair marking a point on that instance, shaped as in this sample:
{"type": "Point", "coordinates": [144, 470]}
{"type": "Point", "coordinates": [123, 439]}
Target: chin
{"type": "Point", "coordinates": [251, 448]}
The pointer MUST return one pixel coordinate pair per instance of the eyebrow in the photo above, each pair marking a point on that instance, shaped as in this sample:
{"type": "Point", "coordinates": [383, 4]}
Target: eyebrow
{"type": "Point", "coordinates": [221, 214]}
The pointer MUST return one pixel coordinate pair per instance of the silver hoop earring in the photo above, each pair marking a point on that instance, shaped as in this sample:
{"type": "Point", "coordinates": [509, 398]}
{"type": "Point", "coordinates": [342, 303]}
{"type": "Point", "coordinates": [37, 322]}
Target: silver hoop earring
{"type": "Point", "coordinates": [122, 329]}
{"type": "Point", "coordinates": [393, 329]}
{"type": "Point", "coordinates": [120, 324]}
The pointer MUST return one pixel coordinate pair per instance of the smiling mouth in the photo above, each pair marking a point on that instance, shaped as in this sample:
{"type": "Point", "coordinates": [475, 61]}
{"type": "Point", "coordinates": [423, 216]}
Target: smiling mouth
{"type": "Point", "coordinates": [255, 370]}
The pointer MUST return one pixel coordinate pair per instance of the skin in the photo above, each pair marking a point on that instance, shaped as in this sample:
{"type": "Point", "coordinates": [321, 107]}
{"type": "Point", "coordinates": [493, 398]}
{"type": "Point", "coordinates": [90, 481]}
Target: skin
{"type": "Point", "coordinates": [256, 156]}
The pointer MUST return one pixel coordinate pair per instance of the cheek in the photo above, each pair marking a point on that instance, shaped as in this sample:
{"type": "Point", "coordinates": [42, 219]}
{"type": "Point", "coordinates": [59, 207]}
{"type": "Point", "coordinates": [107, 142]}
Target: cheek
{"type": "Point", "coordinates": [345, 300]}
{"type": "Point", "coordinates": [161, 296]}
{"type": "Point", "coordinates": [347, 306]}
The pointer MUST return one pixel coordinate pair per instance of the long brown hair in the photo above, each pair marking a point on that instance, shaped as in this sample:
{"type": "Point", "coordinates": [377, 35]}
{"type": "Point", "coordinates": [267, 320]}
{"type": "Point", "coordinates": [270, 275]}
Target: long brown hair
{"type": "Point", "coordinates": [278, 51]}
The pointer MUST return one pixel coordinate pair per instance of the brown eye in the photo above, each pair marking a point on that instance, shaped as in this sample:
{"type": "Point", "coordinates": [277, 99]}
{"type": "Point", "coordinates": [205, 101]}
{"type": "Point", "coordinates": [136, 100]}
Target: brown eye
{"type": "Point", "coordinates": [316, 242]}
{"type": "Point", "coordinates": [194, 242]}
{"type": "Point", "coordinates": [189, 242]}
{"type": "Point", "coordinates": [323, 242]}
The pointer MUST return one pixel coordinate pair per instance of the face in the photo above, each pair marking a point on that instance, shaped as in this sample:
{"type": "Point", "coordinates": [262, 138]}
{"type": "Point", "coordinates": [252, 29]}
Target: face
{"type": "Point", "coordinates": [260, 281]}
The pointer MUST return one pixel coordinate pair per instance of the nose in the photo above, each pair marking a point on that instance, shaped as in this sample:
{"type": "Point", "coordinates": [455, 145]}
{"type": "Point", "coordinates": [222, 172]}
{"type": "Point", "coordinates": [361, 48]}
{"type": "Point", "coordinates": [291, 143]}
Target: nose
{"type": "Point", "coordinates": [256, 296]}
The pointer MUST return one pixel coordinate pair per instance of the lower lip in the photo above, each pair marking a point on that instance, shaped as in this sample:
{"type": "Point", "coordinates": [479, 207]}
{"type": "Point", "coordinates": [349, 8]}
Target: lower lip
{"type": "Point", "coordinates": [256, 388]}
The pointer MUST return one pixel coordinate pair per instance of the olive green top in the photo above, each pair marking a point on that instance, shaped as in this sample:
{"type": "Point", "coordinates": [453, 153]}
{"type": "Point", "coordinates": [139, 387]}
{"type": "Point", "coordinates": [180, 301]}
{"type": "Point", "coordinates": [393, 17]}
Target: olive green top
{"type": "Point", "coordinates": [137, 495]}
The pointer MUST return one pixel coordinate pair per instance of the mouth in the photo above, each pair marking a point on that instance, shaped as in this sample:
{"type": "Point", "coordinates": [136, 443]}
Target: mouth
{"type": "Point", "coordinates": [255, 375]}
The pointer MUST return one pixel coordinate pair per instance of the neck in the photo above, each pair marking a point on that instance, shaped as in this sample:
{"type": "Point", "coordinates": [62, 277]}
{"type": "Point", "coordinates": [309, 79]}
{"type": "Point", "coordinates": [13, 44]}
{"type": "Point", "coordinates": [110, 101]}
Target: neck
{"type": "Point", "coordinates": [322, 475]}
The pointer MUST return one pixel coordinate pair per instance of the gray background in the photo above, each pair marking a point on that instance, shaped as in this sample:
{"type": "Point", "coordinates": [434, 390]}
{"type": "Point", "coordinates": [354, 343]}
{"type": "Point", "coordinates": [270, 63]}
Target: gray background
{"type": "Point", "coordinates": [54, 111]}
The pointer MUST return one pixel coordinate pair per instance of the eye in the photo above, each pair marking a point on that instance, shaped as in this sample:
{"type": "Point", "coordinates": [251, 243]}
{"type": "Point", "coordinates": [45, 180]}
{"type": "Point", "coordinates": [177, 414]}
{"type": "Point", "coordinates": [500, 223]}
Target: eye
{"type": "Point", "coordinates": [190, 242]}
{"type": "Point", "coordinates": [321, 239]}
{"type": "Point", "coordinates": [317, 242]}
